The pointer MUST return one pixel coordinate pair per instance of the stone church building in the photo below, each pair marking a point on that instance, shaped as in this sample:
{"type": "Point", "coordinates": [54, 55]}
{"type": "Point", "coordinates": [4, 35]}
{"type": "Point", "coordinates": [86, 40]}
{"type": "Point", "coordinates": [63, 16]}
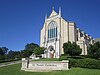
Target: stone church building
{"type": "Point", "coordinates": [56, 31]}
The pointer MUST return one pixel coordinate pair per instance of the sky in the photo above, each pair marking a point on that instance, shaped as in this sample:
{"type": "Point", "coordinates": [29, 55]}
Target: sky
{"type": "Point", "coordinates": [22, 20]}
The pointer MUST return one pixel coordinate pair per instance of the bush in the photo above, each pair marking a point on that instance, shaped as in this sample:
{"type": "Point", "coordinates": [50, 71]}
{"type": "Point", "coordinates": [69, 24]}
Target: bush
{"type": "Point", "coordinates": [85, 63]}
{"type": "Point", "coordinates": [63, 58]}
{"type": "Point", "coordinates": [82, 62]}
{"type": "Point", "coordinates": [71, 49]}
{"type": "Point", "coordinates": [94, 50]}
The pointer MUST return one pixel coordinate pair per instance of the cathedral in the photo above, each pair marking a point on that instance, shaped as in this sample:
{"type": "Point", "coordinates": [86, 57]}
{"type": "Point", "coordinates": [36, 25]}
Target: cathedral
{"type": "Point", "coordinates": [56, 31]}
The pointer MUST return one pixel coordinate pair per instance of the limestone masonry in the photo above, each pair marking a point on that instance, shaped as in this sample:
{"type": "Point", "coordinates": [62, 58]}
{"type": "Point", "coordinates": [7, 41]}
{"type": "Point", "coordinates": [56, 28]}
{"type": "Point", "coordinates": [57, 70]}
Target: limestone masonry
{"type": "Point", "coordinates": [43, 66]}
{"type": "Point", "coordinates": [57, 31]}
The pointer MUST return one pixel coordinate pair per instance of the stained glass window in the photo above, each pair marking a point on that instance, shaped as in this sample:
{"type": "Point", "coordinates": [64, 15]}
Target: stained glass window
{"type": "Point", "coordinates": [52, 30]}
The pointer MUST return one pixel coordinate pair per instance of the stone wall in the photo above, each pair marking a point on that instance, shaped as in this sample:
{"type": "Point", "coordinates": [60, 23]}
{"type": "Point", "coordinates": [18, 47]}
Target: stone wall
{"type": "Point", "coordinates": [39, 66]}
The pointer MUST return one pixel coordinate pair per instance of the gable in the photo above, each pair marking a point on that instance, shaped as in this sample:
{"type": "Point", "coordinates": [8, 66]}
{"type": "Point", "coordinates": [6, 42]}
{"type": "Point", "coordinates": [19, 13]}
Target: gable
{"type": "Point", "coordinates": [53, 13]}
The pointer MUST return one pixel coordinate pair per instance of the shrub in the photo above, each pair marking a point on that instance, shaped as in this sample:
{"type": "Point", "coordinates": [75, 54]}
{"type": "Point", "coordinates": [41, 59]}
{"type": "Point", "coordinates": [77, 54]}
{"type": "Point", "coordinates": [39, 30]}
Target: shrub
{"type": "Point", "coordinates": [82, 62]}
{"type": "Point", "coordinates": [85, 63]}
{"type": "Point", "coordinates": [63, 58]}
{"type": "Point", "coordinates": [71, 49]}
{"type": "Point", "coordinates": [94, 50]}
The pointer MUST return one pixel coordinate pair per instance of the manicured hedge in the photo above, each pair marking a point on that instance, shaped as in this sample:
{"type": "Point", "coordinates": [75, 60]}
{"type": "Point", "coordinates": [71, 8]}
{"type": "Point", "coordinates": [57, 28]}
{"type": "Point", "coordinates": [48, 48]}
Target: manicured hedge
{"type": "Point", "coordinates": [83, 62]}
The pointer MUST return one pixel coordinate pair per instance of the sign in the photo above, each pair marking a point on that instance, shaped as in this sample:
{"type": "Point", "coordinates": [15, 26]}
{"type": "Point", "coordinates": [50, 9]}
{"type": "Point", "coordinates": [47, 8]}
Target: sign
{"type": "Point", "coordinates": [39, 66]}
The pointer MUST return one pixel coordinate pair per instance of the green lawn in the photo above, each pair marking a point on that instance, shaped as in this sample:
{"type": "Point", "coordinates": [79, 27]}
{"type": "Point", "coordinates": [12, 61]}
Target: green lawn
{"type": "Point", "coordinates": [47, 59]}
{"type": "Point", "coordinates": [15, 70]}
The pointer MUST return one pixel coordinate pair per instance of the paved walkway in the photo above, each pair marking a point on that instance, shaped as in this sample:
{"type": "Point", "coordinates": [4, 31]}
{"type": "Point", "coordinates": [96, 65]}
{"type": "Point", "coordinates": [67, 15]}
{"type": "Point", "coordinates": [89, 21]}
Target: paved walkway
{"type": "Point", "coordinates": [10, 63]}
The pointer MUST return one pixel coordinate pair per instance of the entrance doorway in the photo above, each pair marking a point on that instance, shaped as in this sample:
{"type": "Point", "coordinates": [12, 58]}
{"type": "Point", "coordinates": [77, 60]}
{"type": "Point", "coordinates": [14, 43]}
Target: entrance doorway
{"type": "Point", "coordinates": [51, 51]}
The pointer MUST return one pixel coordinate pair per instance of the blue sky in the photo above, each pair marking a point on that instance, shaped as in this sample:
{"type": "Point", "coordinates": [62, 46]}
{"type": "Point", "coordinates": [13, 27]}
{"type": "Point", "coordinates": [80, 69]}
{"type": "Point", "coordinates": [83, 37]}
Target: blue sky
{"type": "Point", "coordinates": [22, 20]}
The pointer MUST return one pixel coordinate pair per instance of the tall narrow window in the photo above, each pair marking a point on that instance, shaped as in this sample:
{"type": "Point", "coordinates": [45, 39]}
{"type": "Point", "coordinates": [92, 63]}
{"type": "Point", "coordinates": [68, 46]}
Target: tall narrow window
{"type": "Point", "coordinates": [52, 30]}
{"type": "Point", "coordinates": [56, 31]}
{"type": "Point", "coordinates": [48, 33]}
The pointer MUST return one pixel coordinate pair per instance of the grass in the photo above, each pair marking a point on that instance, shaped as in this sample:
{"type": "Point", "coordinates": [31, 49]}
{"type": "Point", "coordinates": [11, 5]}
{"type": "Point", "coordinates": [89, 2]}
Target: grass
{"type": "Point", "coordinates": [47, 59]}
{"type": "Point", "coordinates": [15, 70]}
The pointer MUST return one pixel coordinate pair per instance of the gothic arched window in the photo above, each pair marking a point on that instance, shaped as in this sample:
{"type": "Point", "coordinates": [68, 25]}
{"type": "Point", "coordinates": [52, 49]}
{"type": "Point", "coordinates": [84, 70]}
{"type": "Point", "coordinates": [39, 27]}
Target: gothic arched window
{"type": "Point", "coordinates": [52, 30]}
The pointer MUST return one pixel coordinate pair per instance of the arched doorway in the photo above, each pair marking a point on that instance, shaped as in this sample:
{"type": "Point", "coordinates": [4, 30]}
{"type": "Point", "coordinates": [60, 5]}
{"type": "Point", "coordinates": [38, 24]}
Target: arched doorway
{"type": "Point", "coordinates": [51, 51]}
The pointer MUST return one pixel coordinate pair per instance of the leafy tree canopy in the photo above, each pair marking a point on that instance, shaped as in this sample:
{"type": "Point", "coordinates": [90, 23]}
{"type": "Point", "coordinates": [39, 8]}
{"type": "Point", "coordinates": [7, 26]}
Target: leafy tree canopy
{"type": "Point", "coordinates": [38, 50]}
{"type": "Point", "coordinates": [31, 46]}
{"type": "Point", "coordinates": [71, 49]}
{"type": "Point", "coordinates": [2, 54]}
{"type": "Point", "coordinates": [94, 50]}
{"type": "Point", "coordinates": [26, 53]}
{"type": "Point", "coordinates": [5, 49]}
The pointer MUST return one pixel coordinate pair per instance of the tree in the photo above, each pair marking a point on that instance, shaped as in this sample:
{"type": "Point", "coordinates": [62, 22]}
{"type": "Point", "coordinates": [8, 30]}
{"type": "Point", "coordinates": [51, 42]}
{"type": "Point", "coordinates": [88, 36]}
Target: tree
{"type": "Point", "coordinates": [17, 54]}
{"type": "Point", "coordinates": [26, 53]}
{"type": "Point", "coordinates": [1, 51]}
{"type": "Point", "coordinates": [29, 49]}
{"type": "Point", "coordinates": [31, 46]}
{"type": "Point", "coordinates": [72, 49]}
{"type": "Point", "coordinates": [1, 54]}
{"type": "Point", "coordinates": [11, 55]}
{"type": "Point", "coordinates": [5, 49]}
{"type": "Point", "coordinates": [94, 50]}
{"type": "Point", "coordinates": [38, 50]}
